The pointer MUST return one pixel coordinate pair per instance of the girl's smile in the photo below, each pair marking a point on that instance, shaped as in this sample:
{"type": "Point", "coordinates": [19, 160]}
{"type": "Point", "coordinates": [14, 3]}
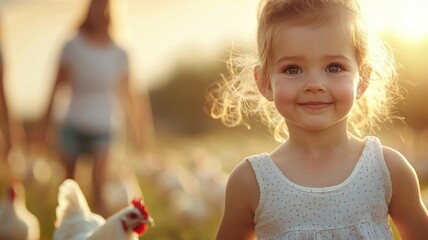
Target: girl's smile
{"type": "Point", "coordinates": [315, 105]}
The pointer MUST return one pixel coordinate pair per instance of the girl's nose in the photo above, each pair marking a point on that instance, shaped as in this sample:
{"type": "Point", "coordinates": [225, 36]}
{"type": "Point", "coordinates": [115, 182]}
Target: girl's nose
{"type": "Point", "coordinates": [314, 83]}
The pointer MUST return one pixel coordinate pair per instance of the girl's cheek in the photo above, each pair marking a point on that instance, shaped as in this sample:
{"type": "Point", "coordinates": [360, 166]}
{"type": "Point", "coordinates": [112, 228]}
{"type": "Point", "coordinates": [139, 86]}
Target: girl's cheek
{"type": "Point", "coordinates": [284, 93]}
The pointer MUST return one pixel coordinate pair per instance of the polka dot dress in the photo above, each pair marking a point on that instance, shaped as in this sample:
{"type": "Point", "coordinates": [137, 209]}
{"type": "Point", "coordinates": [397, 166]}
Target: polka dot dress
{"type": "Point", "coordinates": [357, 208]}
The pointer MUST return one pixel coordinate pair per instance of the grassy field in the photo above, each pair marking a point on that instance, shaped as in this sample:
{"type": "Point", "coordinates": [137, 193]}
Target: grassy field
{"type": "Point", "coordinates": [42, 182]}
{"type": "Point", "coordinates": [224, 147]}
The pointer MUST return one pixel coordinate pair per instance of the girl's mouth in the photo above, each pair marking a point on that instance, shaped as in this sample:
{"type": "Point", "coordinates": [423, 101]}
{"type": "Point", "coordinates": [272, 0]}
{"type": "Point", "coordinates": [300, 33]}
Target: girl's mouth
{"type": "Point", "coordinates": [315, 105]}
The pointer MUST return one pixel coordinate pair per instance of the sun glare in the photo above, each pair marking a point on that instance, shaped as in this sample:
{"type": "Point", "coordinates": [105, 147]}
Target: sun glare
{"type": "Point", "coordinates": [412, 22]}
{"type": "Point", "coordinates": [406, 18]}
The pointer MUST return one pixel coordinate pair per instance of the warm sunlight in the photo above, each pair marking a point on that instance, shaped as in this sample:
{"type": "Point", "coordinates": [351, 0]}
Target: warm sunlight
{"type": "Point", "coordinates": [165, 143]}
{"type": "Point", "coordinates": [405, 18]}
{"type": "Point", "coordinates": [412, 21]}
{"type": "Point", "coordinates": [161, 34]}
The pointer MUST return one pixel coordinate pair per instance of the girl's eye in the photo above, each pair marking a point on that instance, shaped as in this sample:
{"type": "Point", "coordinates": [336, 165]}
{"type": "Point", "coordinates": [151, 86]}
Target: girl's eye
{"type": "Point", "coordinates": [334, 68]}
{"type": "Point", "coordinates": [292, 70]}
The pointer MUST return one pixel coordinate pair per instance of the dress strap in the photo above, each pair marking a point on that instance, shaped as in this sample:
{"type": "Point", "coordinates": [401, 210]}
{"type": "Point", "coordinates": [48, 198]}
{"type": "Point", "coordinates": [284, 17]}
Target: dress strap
{"type": "Point", "coordinates": [377, 148]}
{"type": "Point", "coordinates": [258, 162]}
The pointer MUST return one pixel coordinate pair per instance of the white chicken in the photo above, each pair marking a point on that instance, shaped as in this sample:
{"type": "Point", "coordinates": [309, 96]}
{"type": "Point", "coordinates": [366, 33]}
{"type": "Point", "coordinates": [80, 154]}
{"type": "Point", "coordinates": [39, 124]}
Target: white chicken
{"type": "Point", "coordinates": [17, 223]}
{"type": "Point", "coordinates": [75, 221]}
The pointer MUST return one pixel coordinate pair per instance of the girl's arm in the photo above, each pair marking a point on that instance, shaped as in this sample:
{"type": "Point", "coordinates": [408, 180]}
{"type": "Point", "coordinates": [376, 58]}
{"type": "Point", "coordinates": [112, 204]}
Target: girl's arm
{"type": "Point", "coordinates": [242, 196]}
{"type": "Point", "coordinates": [406, 207]}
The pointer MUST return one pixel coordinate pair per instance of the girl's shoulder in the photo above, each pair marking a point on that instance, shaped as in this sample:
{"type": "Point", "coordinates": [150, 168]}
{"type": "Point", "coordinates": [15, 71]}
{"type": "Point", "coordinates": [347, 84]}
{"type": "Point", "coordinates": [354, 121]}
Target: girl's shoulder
{"type": "Point", "coordinates": [406, 207]}
{"type": "Point", "coordinates": [397, 163]}
{"type": "Point", "coordinates": [243, 184]}
{"type": "Point", "coordinates": [400, 170]}
{"type": "Point", "coordinates": [403, 176]}
{"type": "Point", "coordinates": [245, 172]}
{"type": "Point", "coordinates": [243, 175]}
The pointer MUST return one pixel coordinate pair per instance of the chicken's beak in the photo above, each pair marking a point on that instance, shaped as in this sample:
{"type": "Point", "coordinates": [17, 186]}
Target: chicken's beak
{"type": "Point", "coordinates": [149, 221]}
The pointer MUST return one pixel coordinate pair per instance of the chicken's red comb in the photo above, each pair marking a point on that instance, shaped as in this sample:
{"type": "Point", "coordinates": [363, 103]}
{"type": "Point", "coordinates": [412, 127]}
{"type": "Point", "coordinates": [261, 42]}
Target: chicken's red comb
{"type": "Point", "coordinates": [12, 193]}
{"type": "Point", "coordinates": [141, 229]}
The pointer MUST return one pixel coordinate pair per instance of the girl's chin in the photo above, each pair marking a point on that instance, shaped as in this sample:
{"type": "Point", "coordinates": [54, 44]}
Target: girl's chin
{"type": "Point", "coordinates": [315, 126]}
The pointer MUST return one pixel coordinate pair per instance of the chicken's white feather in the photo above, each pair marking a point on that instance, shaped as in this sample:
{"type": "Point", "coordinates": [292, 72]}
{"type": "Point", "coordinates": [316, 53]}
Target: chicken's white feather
{"type": "Point", "coordinates": [16, 221]}
{"type": "Point", "coordinates": [75, 221]}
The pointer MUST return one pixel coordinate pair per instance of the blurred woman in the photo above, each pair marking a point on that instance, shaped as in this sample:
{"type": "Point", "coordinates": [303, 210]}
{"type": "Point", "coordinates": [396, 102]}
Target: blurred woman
{"type": "Point", "coordinates": [96, 70]}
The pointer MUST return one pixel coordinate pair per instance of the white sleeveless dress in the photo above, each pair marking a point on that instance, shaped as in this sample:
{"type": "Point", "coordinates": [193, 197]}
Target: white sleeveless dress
{"type": "Point", "coordinates": [357, 208]}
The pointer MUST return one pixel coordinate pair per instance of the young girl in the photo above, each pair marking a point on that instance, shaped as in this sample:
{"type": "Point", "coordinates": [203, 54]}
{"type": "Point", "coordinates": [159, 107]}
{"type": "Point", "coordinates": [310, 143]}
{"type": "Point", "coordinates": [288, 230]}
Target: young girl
{"type": "Point", "coordinates": [323, 82]}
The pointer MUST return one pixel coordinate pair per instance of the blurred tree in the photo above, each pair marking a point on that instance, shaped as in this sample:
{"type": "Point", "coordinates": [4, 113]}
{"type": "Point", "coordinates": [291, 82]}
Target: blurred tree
{"type": "Point", "coordinates": [178, 106]}
{"type": "Point", "coordinates": [413, 73]}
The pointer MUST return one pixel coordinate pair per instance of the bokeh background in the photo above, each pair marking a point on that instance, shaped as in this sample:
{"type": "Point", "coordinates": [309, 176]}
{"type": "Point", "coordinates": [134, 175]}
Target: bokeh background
{"type": "Point", "coordinates": [178, 49]}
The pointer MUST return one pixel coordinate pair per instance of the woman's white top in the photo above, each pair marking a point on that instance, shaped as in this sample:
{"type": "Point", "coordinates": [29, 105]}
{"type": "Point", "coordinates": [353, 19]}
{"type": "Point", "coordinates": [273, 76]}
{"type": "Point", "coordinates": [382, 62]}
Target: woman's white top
{"type": "Point", "coordinates": [95, 74]}
{"type": "Point", "coordinates": [357, 208]}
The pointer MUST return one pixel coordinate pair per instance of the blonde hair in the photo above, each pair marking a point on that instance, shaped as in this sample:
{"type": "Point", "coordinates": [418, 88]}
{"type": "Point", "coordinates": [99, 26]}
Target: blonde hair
{"type": "Point", "coordinates": [237, 96]}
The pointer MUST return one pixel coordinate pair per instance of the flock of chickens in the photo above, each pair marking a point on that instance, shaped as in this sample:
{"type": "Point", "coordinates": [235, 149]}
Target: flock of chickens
{"type": "Point", "coordinates": [74, 219]}
{"type": "Point", "coordinates": [193, 193]}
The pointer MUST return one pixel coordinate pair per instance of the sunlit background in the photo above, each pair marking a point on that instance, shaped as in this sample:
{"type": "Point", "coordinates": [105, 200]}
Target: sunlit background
{"type": "Point", "coordinates": [159, 34]}
{"type": "Point", "coordinates": [178, 48]}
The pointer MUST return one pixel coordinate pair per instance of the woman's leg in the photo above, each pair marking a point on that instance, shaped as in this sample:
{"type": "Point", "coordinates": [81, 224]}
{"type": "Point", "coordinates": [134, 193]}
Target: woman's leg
{"type": "Point", "coordinates": [99, 172]}
{"type": "Point", "coordinates": [69, 143]}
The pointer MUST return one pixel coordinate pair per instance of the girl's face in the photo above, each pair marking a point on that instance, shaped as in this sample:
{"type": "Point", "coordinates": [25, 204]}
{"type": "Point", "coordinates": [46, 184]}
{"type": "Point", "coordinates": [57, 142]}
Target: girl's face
{"type": "Point", "coordinates": [313, 76]}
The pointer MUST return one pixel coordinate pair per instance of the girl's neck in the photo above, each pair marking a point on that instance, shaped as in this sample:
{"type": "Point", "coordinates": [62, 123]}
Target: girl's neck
{"type": "Point", "coordinates": [318, 139]}
{"type": "Point", "coordinates": [318, 143]}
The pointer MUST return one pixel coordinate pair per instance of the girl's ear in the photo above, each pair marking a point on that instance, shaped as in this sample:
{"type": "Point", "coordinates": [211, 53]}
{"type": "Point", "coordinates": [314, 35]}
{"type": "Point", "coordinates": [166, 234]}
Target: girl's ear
{"type": "Point", "coordinates": [363, 83]}
{"type": "Point", "coordinates": [263, 84]}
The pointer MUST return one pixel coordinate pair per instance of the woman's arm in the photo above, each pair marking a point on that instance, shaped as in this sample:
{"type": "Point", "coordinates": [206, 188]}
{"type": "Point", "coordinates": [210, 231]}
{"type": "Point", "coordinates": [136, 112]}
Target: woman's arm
{"type": "Point", "coordinates": [4, 115]}
{"type": "Point", "coordinates": [45, 122]}
{"type": "Point", "coordinates": [242, 196]}
{"type": "Point", "coordinates": [129, 102]}
{"type": "Point", "coordinates": [406, 207]}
